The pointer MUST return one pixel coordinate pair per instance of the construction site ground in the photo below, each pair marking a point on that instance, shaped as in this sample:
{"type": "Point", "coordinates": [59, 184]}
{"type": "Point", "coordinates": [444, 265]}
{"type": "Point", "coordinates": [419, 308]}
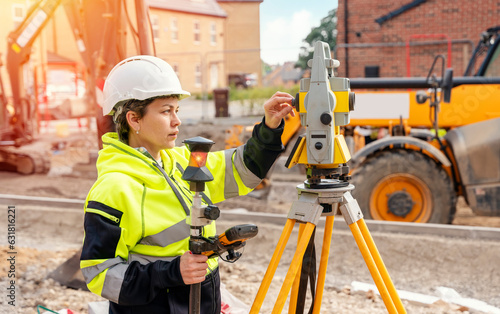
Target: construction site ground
{"type": "Point", "coordinates": [418, 263]}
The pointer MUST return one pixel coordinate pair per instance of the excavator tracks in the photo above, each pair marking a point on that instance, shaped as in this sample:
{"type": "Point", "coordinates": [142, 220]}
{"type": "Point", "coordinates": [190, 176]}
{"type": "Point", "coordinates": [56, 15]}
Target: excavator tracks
{"type": "Point", "coordinates": [25, 160]}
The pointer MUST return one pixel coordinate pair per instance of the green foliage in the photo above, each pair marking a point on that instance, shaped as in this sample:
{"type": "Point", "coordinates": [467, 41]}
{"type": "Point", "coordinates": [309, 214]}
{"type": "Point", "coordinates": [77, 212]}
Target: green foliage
{"type": "Point", "coordinates": [199, 96]}
{"type": "Point", "coordinates": [326, 31]}
{"type": "Point", "coordinates": [252, 99]}
{"type": "Point", "coordinates": [260, 92]}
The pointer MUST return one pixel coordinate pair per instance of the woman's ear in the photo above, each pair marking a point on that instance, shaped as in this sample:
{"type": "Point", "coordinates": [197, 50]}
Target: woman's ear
{"type": "Point", "coordinates": [133, 120]}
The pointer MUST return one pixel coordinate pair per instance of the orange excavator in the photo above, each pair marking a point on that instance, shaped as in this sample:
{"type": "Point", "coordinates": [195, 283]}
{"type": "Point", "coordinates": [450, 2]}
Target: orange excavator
{"type": "Point", "coordinates": [92, 24]}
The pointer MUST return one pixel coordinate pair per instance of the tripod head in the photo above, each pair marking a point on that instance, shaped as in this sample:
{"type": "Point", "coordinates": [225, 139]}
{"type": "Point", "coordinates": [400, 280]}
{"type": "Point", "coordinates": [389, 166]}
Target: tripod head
{"type": "Point", "coordinates": [323, 103]}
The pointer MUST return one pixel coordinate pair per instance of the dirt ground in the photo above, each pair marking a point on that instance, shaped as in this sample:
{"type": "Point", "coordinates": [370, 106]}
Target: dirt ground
{"type": "Point", "coordinates": [416, 263]}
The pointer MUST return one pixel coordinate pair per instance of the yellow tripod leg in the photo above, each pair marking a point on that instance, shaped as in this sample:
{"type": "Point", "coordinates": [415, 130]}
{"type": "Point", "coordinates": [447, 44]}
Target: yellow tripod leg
{"type": "Point", "coordinates": [292, 308]}
{"type": "Point", "coordinates": [325, 252]}
{"type": "Point", "coordinates": [381, 266]}
{"type": "Point", "coordinates": [273, 265]}
{"type": "Point", "coordinates": [294, 266]}
{"type": "Point", "coordinates": [372, 267]}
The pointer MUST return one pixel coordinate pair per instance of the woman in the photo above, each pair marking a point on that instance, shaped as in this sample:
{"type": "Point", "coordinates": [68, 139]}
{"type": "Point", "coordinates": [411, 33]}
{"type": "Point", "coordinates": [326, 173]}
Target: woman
{"type": "Point", "coordinates": [135, 250]}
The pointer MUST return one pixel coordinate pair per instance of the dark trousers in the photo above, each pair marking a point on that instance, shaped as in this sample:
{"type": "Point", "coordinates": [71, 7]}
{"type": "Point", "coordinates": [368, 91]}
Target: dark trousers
{"type": "Point", "coordinates": [176, 300]}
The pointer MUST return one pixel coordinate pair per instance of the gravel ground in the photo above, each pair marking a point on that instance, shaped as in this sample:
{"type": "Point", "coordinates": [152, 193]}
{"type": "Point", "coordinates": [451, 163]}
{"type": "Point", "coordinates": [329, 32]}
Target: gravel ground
{"type": "Point", "coordinates": [416, 263]}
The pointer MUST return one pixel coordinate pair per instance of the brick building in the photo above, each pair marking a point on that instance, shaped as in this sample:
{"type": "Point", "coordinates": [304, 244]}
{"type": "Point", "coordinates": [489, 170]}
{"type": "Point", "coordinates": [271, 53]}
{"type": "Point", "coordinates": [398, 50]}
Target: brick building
{"type": "Point", "coordinates": [188, 35]}
{"type": "Point", "coordinates": [204, 40]}
{"type": "Point", "coordinates": [242, 36]}
{"type": "Point", "coordinates": [401, 38]}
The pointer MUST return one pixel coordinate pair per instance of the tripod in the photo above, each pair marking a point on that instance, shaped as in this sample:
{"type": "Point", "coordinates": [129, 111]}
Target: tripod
{"type": "Point", "coordinates": [307, 210]}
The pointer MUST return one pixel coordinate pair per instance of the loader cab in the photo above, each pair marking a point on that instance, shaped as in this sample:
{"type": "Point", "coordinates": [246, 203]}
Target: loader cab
{"type": "Point", "coordinates": [485, 60]}
{"type": "Point", "coordinates": [491, 66]}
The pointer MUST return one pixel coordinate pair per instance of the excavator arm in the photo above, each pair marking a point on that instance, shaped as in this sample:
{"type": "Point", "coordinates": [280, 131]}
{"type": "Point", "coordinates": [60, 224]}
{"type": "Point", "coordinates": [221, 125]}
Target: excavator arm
{"type": "Point", "coordinates": [19, 44]}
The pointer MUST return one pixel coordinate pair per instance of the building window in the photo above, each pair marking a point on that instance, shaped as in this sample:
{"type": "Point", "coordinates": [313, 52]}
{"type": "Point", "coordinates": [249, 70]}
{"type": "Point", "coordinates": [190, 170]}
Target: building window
{"type": "Point", "coordinates": [197, 32]}
{"type": "Point", "coordinates": [18, 13]}
{"type": "Point", "coordinates": [213, 34]}
{"type": "Point", "coordinates": [372, 71]}
{"type": "Point", "coordinates": [174, 30]}
{"type": "Point", "coordinates": [155, 26]}
{"type": "Point", "coordinates": [175, 67]}
{"type": "Point", "coordinates": [197, 75]}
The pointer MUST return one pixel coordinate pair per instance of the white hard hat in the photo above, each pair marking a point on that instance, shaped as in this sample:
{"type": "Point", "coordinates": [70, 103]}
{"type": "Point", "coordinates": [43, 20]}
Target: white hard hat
{"type": "Point", "coordinates": [140, 77]}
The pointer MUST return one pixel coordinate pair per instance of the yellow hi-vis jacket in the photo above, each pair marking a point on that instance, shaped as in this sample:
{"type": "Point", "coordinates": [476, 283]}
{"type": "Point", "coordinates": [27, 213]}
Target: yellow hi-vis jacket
{"type": "Point", "coordinates": [135, 213]}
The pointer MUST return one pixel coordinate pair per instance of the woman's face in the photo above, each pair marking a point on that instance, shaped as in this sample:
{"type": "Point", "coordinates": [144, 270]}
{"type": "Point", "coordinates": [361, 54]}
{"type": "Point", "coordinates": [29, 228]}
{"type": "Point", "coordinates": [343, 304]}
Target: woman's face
{"type": "Point", "coordinates": [159, 126]}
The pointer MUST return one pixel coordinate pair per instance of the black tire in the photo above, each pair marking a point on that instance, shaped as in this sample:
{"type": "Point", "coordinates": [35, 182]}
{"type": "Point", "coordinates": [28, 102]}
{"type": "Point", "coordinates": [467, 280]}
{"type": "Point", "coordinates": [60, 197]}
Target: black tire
{"type": "Point", "coordinates": [404, 185]}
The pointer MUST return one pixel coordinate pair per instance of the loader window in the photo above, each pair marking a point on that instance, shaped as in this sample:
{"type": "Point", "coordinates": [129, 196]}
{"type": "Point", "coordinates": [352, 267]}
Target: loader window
{"type": "Point", "coordinates": [477, 60]}
{"type": "Point", "coordinates": [493, 69]}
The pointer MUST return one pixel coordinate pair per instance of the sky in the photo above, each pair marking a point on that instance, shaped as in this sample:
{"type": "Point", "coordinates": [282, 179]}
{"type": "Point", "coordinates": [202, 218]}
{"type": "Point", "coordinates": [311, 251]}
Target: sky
{"type": "Point", "coordinates": [285, 23]}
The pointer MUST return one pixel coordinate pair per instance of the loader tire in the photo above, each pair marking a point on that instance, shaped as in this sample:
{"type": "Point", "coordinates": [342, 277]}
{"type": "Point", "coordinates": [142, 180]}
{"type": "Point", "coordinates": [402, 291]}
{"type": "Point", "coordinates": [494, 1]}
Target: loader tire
{"type": "Point", "coordinates": [404, 185]}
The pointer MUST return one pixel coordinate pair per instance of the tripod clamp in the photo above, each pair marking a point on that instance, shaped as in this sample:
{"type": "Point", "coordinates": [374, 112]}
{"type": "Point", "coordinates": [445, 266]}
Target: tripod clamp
{"type": "Point", "coordinates": [314, 203]}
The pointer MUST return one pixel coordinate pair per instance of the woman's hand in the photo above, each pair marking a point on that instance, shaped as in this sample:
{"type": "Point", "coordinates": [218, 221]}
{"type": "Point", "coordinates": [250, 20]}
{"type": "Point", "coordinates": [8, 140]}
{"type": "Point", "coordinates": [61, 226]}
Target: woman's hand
{"type": "Point", "coordinates": [193, 268]}
{"type": "Point", "coordinates": [276, 108]}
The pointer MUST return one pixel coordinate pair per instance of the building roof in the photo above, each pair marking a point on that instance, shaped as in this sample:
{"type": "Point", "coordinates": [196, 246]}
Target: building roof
{"type": "Point", "coordinates": [290, 73]}
{"type": "Point", "coordinates": [203, 7]}
{"type": "Point", "coordinates": [283, 74]}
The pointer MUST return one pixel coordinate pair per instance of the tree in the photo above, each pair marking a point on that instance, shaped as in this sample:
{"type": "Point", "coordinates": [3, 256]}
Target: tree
{"type": "Point", "coordinates": [326, 31]}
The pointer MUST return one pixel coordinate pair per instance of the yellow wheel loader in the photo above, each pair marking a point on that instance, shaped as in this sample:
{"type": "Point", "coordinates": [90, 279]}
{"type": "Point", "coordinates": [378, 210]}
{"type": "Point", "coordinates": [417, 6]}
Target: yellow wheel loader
{"type": "Point", "coordinates": [426, 158]}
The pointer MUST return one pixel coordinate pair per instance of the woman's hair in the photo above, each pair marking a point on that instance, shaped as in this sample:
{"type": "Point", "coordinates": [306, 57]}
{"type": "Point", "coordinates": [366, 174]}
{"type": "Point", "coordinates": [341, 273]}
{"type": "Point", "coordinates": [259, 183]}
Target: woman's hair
{"type": "Point", "coordinates": [137, 106]}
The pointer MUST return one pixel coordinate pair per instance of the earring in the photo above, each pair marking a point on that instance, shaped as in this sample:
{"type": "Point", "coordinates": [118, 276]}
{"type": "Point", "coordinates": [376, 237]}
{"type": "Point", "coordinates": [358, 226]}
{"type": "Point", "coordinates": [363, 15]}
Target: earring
{"type": "Point", "coordinates": [137, 132]}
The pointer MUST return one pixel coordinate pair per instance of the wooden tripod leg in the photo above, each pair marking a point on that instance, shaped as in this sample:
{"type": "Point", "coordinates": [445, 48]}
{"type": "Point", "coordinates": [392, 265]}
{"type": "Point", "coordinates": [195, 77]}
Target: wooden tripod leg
{"type": "Point", "coordinates": [325, 252]}
{"type": "Point", "coordinates": [381, 266]}
{"type": "Point", "coordinates": [273, 265]}
{"type": "Point", "coordinates": [292, 308]}
{"type": "Point", "coordinates": [372, 267]}
{"type": "Point", "coordinates": [294, 266]}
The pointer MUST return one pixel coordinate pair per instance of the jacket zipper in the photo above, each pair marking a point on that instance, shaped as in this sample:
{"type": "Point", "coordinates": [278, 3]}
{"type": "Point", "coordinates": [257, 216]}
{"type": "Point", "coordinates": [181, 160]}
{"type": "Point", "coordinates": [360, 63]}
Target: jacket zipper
{"type": "Point", "coordinates": [104, 214]}
{"type": "Point", "coordinates": [175, 187]}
